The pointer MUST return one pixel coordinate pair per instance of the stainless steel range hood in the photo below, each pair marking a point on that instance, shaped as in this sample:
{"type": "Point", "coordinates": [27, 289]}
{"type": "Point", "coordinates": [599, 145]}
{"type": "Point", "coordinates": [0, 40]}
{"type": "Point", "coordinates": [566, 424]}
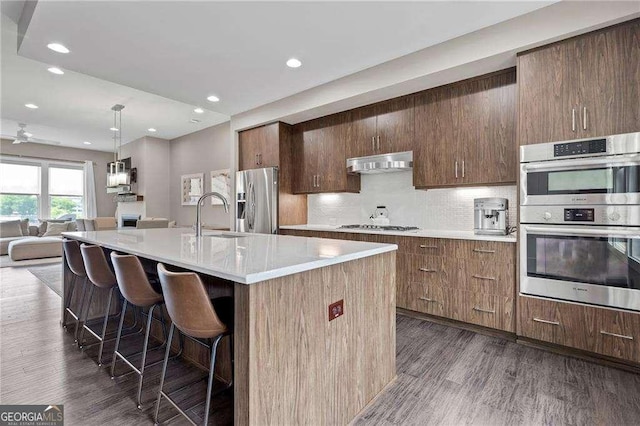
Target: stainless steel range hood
{"type": "Point", "coordinates": [386, 163]}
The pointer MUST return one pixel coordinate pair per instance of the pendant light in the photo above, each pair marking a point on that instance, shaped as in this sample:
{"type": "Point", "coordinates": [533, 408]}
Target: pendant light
{"type": "Point", "coordinates": [117, 174]}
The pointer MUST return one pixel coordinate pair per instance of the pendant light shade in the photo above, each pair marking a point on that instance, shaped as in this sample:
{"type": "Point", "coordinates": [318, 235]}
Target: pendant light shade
{"type": "Point", "coordinates": [117, 175]}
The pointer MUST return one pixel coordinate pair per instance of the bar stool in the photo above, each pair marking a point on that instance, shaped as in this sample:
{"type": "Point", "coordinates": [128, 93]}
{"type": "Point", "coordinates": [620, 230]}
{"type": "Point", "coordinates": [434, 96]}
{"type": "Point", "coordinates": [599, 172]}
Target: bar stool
{"type": "Point", "coordinates": [195, 316]}
{"type": "Point", "coordinates": [101, 276]}
{"type": "Point", "coordinates": [76, 265]}
{"type": "Point", "coordinates": [137, 290]}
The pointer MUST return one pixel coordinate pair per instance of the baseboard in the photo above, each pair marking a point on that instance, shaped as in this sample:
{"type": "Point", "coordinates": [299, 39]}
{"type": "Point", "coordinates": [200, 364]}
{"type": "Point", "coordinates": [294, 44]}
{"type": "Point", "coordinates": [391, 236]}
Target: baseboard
{"type": "Point", "coordinates": [492, 332]}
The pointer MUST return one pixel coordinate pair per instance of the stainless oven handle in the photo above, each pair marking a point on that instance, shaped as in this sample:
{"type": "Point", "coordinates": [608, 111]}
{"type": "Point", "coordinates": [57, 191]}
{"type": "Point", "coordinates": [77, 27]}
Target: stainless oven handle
{"type": "Point", "coordinates": [591, 231]}
{"type": "Point", "coordinates": [578, 163]}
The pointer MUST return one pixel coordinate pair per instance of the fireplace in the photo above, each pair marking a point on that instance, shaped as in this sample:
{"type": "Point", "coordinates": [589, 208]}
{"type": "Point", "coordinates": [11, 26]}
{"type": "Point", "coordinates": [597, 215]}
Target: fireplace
{"type": "Point", "coordinates": [128, 220]}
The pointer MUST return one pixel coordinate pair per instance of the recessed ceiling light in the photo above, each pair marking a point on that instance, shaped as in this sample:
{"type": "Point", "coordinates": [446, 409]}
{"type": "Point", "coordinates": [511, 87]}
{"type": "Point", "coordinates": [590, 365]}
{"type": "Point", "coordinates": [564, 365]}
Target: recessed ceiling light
{"type": "Point", "coordinates": [194, 120]}
{"type": "Point", "coordinates": [113, 129]}
{"type": "Point", "coordinates": [198, 110]}
{"type": "Point", "coordinates": [294, 63]}
{"type": "Point", "coordinates": [32, 106]}
{"type": "Point", "coordinates": [86, 143]}
{"type": "Point", "coordinates": [57, 47]}
{"type": "Point", "coordinates": [151, 129]}
{"type": "Point", "coordinates": [213, 98]}
{"type": "Point", "coordinates": [55, 70]}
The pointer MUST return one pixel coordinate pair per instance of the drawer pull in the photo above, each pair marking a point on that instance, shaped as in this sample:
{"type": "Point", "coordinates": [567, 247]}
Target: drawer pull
{"type": "Point", "coordinates": [426, 299]}
{"type": "Point", "coordinates": [486, 311]}
{"type": "Point", "coordinates": [622, 336]}
{"type": "Point", "coordinates": [546, 321]}
{"type": "Point", "coordinates": [424, 246]}
{"type": "Point", "coordinates": [480, 277]}
{"type": "Point", "coordinates": [427, 270]}
{"type": "Point", "coordinates": [483, 251]}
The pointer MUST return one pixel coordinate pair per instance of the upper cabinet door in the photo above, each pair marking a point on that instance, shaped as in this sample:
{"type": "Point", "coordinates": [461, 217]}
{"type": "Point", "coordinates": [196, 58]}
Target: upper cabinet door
{"type": "Point", "coordinates": [362, 132]}
{"type": "Point", "coordinates": [332, 156]}
{"type": "Point", "coordinates": [305, 157]}
{"type": "Point", "coordinates": [546, 109]}
{"type": "Point", "coordinates": [435, 147]}
{"type": "Point", "coordinates": [487, 125]}
{"type": "Point", "coordinates": [259, 147]}
{"type": "Point", "coordinates": [610, 80]}
{"type": "Point", "coordinates": [395, 125]}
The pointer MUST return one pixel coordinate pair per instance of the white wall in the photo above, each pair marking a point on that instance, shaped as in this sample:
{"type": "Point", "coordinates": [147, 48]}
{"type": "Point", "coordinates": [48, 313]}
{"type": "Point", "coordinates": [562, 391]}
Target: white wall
{"type": "Point", "coordinates": [151, 157]}
{"type": "Point", "coordinates": [449, 209]}
{"type": "Point", "coordinates": [199, 152]}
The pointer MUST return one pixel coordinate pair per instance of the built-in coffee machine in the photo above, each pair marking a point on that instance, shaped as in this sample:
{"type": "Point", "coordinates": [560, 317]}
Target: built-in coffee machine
{"type": "Point", "coordinates": [491, 216]}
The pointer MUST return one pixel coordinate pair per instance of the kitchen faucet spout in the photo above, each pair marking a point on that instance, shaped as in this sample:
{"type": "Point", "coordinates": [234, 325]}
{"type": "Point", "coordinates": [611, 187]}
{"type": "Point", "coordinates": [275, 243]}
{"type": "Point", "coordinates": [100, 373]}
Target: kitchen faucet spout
{"type": "Point", "coordinates": [225, 204]}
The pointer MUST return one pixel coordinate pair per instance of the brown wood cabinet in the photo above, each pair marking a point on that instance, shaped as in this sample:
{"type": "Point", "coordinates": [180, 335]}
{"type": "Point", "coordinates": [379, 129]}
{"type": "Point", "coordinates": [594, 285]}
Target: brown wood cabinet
{"type": "Point", "coordinates": [319, 156]}
{"type": "Point", "coordinates": [260, 147]}
{"type": "Point", "coordinates": [381, 128]}
{"type": "Point", "coordinates": [469, 281]}
{"type": "Point", "coordinates": [465, 133]}
{"type": "Point", "coordinates": [271, 146]}
{"type": "Point", "coordinates": [586, 86]}
{"type": "Point", "coordinates": [600, 330]}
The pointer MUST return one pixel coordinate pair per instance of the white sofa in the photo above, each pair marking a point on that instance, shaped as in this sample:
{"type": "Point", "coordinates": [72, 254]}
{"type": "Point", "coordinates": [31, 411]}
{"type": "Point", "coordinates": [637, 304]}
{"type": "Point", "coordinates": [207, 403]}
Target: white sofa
{"type": "Point", "coordinates": [21, 241]}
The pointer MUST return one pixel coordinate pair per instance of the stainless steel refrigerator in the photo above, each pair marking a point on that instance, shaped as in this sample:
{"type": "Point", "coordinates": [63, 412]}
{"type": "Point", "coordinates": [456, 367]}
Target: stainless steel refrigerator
{"type": "Point", "coordinates": [257, 201]}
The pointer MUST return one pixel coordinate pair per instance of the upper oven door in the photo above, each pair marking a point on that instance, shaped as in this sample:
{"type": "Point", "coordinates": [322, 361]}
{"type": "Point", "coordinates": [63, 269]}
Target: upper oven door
{"type": "Point", "coordinates": [599, 265]}
{"type": "Point", "coordinates": [598, 180]}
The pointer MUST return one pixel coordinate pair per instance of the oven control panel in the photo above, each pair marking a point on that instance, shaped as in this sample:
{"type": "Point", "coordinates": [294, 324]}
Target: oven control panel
{"type": "Point", "coordinates": [613, 215]}
{"type": "Point", "coordinates": [593, 146]}
{"type": "Point", "coordinates": [579, 215]}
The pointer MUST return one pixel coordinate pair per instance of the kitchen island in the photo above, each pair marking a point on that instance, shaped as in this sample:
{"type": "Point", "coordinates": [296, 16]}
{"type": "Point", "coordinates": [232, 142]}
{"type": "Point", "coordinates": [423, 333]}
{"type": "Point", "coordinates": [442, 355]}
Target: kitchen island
{"type": "Point", "coordinates": [294, 362]}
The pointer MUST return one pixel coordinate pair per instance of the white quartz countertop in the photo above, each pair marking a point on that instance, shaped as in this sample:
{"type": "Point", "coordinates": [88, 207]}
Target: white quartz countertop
{"type": "Point", "coordinates": [243, 258]}
{"type": "Point", "coordinates": [432, 233]}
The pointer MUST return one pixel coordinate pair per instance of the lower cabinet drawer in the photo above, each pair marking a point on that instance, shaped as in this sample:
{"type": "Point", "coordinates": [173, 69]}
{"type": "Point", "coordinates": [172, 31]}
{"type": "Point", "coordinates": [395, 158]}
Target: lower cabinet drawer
{"type": "Point", "coordinates": [488, 310]}
{"type": "Point", "coordinates": [488, 277]}
{"type": "Point", "coordinates": [618, 334]}
{"type": "Point", "coordinates": [428, 299]}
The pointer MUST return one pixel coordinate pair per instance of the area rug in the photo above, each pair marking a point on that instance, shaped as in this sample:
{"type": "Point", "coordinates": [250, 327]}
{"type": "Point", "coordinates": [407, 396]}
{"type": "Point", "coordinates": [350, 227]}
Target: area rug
{"type": "Point", "coordinates": [50, 275]}
{"type": "Point", "coordinates": [6, 262]}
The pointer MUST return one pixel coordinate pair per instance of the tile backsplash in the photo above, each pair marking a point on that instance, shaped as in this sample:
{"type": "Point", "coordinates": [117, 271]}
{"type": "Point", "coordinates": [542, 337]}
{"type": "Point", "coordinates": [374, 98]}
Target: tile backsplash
{"type": "Point", "coordinates": [450, 208]}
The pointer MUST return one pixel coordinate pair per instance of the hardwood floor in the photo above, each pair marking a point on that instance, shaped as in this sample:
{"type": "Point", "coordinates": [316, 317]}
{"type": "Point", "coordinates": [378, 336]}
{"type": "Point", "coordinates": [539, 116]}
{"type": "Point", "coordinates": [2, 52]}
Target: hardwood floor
{"type": "Point", "coordinates": [445, 375]}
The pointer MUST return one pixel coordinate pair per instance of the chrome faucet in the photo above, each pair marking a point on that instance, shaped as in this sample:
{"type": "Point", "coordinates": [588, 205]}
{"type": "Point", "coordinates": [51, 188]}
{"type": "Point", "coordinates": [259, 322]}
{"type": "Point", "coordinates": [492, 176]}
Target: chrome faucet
{"type": "Point", "coordinates": [225, 204]}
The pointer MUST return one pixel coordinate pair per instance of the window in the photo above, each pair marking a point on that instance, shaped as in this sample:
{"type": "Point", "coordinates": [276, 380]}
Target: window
{"type": "Point", "coordinates": [37, 189]}
{"type": "Point", "coordinates": [19, 191]}
{"type": "Point", "coordinates": [66, 192]}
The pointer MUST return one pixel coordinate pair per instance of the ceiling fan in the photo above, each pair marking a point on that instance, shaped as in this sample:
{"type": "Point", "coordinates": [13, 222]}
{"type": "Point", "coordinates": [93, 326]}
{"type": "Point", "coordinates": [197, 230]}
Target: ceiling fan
{"type": "Point", "coordinates": [22, 136]}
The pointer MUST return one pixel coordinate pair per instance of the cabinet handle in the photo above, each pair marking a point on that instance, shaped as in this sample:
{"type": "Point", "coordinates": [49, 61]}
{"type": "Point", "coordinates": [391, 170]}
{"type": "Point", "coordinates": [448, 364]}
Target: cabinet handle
{"type": "Point", "coordinates": [426, 299]}
{"type": "Point", "coordinates": [424, 246]}
{"type": "Point", "coordinates": [257, 163]}
{"type": "Point", "coordinates": [314, 181]}
{"type": "Point", "coordinates": [456, 169]}
{"type": "Point", "coordinates": [427, 270]}
{"type": "Point", "coordinates": [622, 336]}
{"type": "Point", "coordinates": [462, 168]}
{"type": "Point", "coordinates": [378, 139]}
{"type": "Point", "coordinates": [319, 176]}
{"type": "Point", "coordinates": [483, 251]}
{"type": "Point", "coordinates": [486, 311]}
{"type": "Point", "coordinates": [573, 119]}
{"type": "Point", "coordinates": [584, 118]}
{"type": "Point", "coordinates": [480, 277]}
{"type": "Point", "coordinates": [373, 143]}
{"type": "Point", "coordinates": [546, 321]}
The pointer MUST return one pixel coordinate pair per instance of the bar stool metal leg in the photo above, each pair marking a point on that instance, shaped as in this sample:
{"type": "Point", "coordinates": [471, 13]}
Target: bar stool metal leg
{"type": "Point", "coordinates": [115, 351]}
{"type": "Point", "coordinates": [144, 354]}
{"type": "Point", "coordinates": [85, 317]}
{"type": "Point", "coordinates": [104, 325]}
{"type": "Point", "coordinates": [214, 350]}
{"type": "Point", "coordinates": [80, 308]}
{"type": "Point", "coordinates": [164, 372]}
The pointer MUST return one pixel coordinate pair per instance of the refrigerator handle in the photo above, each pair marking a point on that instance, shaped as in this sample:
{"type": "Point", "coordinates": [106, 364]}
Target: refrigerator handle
{"type": "Point", "coordinates": [251, 205]}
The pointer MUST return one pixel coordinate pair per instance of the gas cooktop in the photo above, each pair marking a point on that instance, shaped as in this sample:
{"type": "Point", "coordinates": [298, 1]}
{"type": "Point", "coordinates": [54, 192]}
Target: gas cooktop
{"type": "Point", "coordinates": [381, 227]}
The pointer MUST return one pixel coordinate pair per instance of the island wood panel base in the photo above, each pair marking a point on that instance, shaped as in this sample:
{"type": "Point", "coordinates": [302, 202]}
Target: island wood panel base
{"type": "Point", "coordinates": [293, 365]}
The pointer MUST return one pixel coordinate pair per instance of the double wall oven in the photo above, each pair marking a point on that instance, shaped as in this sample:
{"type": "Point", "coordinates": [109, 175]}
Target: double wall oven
{"type": "Point", "coordinates": [580, 221]}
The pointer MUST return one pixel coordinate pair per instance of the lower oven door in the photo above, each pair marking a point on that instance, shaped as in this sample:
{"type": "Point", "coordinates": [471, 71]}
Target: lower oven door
{"type": "Point", "coordinates": [597, 265]}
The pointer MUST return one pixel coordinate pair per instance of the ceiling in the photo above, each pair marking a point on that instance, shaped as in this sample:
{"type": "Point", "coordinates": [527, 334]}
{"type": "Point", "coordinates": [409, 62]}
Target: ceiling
{"type": "Point", "coordinates": [236, 50]}
{"type": "Point", "coordinates": [74, 107]}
